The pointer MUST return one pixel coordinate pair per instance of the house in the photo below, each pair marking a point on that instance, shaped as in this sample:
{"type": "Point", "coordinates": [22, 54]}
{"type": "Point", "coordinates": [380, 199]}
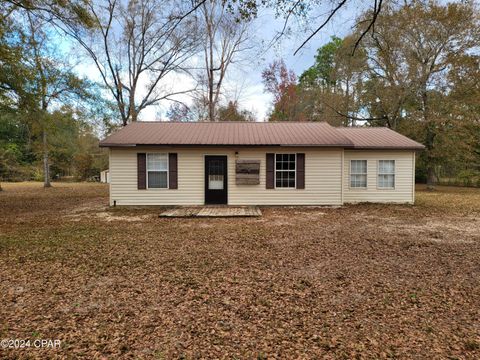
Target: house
{"type": "Point", "coordinates": [105, 176]}
{"type": "Point", "coordinates": [307, 163]}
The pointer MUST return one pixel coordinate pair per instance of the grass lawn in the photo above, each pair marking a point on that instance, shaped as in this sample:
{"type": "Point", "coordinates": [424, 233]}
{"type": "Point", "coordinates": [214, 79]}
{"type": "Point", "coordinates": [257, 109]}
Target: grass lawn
{"type": "Point", "coordinates": [367, 281]}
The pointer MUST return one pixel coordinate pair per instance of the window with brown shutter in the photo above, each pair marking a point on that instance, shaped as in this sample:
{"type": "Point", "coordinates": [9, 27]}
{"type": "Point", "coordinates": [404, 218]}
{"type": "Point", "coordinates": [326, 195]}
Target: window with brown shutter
{"type": "Point", "coordinates": [141, 171]}
{"type": "Point", "coordinates": [300, 171]}
{"type": "Point", "coordinates": [172, 171]}
{"type": "Point", "coordinates": [157, 171]}
{"type": "Point", "coordinates": [285, 170]}
{"type": "Point", "coordinates": [270, 173]}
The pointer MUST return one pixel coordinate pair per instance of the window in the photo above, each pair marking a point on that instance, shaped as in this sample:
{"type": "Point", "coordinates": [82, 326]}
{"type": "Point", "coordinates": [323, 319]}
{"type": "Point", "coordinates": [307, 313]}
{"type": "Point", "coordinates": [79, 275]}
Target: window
{"type": "Point", "coordinates": [358, 173]}
{"type": "Point", "coordinates": [285, 170]}
{"type": "Point", "coordinates": [386, 174]}
{"type": "Point", "coordinates": [215, 175]}
{"type": "Point", "coordinates": [157, 171]}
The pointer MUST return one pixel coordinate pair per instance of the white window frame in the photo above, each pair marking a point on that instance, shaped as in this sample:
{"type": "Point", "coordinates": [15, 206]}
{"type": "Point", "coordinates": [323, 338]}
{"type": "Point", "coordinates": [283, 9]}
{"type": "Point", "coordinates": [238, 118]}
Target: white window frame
{"type": "Point", "coordinates": [394, 174]}
{"type": "Point", "coordinates": [275, 172]}
{"type": "Point", "coordinates": [167, 171]}
{"type": "Point", "coordinates": [350, 176]}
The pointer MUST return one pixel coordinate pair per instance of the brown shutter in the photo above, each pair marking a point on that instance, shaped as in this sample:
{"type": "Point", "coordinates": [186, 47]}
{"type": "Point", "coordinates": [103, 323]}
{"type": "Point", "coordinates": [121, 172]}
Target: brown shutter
{"type": "Point", "coordinates": [300, 171]}
{"type": "Point", "coordinates": [270, 171]}
{"type": "Point", "coordinates": [141, 171]}
{"type": "Point", "coordinates": [172, 171]}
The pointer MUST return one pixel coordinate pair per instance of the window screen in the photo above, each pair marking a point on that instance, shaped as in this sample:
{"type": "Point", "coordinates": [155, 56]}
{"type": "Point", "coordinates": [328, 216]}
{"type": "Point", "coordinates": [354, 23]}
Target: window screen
{"type": "Point", "coordinates": [215, 175]}
{"type": "Point", "coordinates": [386, 174]}
{"type": "Point", "coordinates": [157, 170]}
{"type": "Point", "coordinates": [358, 173]}
{"type": "Point", "coordinates": [285, 167]}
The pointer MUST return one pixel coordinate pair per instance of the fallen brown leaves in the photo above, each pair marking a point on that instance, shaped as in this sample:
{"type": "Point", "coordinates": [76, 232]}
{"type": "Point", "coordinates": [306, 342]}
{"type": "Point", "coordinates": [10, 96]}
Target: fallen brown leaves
{"type": "Point", "coordinates": [365, 281]}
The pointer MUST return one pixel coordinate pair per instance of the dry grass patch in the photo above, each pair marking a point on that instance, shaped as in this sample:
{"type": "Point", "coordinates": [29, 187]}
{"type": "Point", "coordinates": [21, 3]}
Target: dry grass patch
{"type": "Point", "coordinates": [366, 281]}
{"type": "Point", "coordinates": [449, 198]}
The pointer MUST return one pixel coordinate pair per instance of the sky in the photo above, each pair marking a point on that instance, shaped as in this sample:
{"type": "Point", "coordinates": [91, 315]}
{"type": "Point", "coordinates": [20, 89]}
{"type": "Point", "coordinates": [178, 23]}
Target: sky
{"type": "Point", "coordinates": [244, 81]}
{"type": "Point", "coordinates": [255, 98]}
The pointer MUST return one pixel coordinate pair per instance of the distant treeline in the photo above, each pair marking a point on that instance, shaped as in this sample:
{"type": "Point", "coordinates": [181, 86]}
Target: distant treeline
{"type": "Point", "coordinates": [73, 149]}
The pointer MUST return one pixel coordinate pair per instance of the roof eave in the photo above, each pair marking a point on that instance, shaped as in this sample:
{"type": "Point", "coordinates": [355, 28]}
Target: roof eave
{"type": "Point", "coordinates": [348, 146]}
{"type": "Point", "coordinates": [102, 144]}
{"type": "Point", "coordinates": [411, 148]}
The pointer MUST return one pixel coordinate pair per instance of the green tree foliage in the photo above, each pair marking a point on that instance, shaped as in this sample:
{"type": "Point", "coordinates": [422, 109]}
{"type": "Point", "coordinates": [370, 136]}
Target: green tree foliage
{"type": "Point", "coordinates": [327, 91]}
{"type": "Point", "coordinates": [322, 73]}
{"type": "Point", "coordinates": [232, 112]}
{"type": "Point", "coordinates": [89, 160]}
{"type": "Point", "coordinates": [229, 112]}
{"type": "Point", "coordinates": [39, 95]}
{"type": "Point", "coordinates": [16, 153]}
{"type": "Point", "coordinates": [69, 13]}
{"type": "Point", "coordinates": [329, 87]}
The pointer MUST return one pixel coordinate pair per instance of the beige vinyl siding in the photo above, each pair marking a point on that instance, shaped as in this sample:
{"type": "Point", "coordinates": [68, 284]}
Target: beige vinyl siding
{"type": "Point", "coordinates": [322, 180]}
{"type": "Point", "coordinates": [404, 177]}
{"type": "Point", "coordinates": [323, 174]}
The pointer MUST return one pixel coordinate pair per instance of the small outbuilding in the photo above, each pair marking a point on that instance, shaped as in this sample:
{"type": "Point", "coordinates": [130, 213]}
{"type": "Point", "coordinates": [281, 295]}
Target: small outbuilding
{"type": "Point", "coordinates": [246, 163]}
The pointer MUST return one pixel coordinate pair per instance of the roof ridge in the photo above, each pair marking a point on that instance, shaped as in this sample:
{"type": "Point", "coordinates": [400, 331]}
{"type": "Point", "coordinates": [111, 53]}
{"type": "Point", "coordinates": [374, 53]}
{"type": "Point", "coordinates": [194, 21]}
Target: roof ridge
{"type": "Point", "coordinates": [361, 127]}
{"type": "Point", "coordinates": [230, 122]}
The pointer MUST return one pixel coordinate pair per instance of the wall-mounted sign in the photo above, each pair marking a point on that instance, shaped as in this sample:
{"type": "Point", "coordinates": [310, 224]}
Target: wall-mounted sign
{"type": "Point", "coordinates": [247, 172]}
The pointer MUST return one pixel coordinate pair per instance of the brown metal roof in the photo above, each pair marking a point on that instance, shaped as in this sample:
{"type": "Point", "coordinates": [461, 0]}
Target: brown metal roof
{"type": "Point", "coordinates": [378, 138]}
{"type": "Point", "coordinates": [255, 134]}
{"type": "Point", "coordinates": [227, 133]}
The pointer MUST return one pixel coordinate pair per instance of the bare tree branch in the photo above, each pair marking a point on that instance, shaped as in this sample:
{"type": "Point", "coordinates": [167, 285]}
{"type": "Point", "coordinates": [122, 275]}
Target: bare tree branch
{"type": "Point", "coordinates": [225, 38]}
{"type": "Point", "coordinates": [332, 13]}
{"type": "Point", "coordinates": [376, 10]}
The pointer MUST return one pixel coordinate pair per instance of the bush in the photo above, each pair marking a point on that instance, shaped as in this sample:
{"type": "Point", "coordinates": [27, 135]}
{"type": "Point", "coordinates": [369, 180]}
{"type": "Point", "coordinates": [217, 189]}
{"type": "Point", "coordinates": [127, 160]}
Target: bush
{"type": "Point", "coordinates": [469, 177]}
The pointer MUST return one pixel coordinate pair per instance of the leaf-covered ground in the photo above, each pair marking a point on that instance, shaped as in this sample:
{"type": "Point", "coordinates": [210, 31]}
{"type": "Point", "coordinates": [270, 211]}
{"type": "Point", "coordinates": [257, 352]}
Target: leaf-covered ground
{"type": "Point", "coordinates": [365, 281]}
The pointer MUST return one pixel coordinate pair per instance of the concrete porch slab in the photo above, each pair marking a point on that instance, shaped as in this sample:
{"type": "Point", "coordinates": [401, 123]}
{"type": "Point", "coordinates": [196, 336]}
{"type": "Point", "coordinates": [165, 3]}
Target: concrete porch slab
{"type": "Point", "coordinates": [212, 211]}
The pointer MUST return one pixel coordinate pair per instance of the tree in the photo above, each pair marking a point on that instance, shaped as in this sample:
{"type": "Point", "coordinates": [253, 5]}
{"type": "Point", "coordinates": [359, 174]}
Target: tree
{"type": "Point", "coordinates": [329, 88]}
{"type": "Point", "coordinates": [56, 12]}
{"type": "Point", "coordinates": [418, 73]}
{"type": "Point", "coordinates": [322, 73]}
{"type": "Point", "coordinates": [38, 80]}
{"type": "Point", "coordinates": [135, 46]}
{"type": "Point", "coordinates": [89, 160]}
{"type": "Point", "coordinates": [410, 68]}
{"type": "Point", "coordinates": [224, 40]}
{"type": "Point", "coordinates": [302, 8]}
{"type": "Point", "coordinates": [232, 112]}
{"type": "Point", "coordinates": [52, 82]}
{"type": "Point", "coordinates": [281, 82]}
{"type": "Point", "coordinates": [179, 112]}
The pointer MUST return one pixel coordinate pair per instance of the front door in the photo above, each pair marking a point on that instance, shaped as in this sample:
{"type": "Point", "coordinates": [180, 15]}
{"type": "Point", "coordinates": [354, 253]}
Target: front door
{"type": "Point", "coordinates": [215, 179]}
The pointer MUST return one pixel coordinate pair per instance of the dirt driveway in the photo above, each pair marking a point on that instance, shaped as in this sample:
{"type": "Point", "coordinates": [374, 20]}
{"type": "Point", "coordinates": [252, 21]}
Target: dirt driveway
{"type": "Point", "coordinates": [366, 281]}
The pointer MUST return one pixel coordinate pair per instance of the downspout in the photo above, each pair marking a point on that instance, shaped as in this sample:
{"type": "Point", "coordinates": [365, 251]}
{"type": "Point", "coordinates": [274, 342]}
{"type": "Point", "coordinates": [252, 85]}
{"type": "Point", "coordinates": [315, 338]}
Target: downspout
{"type": "Point", "coordinates": [413, 177]}
{"type": "Point", "coordinates": [110, 174]}
{"type": "Point", "coordinates": [342, 172]}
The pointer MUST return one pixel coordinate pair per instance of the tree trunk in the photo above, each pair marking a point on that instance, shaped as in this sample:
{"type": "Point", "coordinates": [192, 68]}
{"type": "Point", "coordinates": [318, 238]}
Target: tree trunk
{"type": "Point", "coordinates": [46, 168]}
{"type": "Point", "coordinates": [131, 105]}
{"type": "Point", "coordinates": [431, 179]}
{"type": "Point", "coordinates": [211, 105]}
{"type": "Point", "coordinates": [133, 116]}
{"type": "Point", "coordinates": [430, 137]}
